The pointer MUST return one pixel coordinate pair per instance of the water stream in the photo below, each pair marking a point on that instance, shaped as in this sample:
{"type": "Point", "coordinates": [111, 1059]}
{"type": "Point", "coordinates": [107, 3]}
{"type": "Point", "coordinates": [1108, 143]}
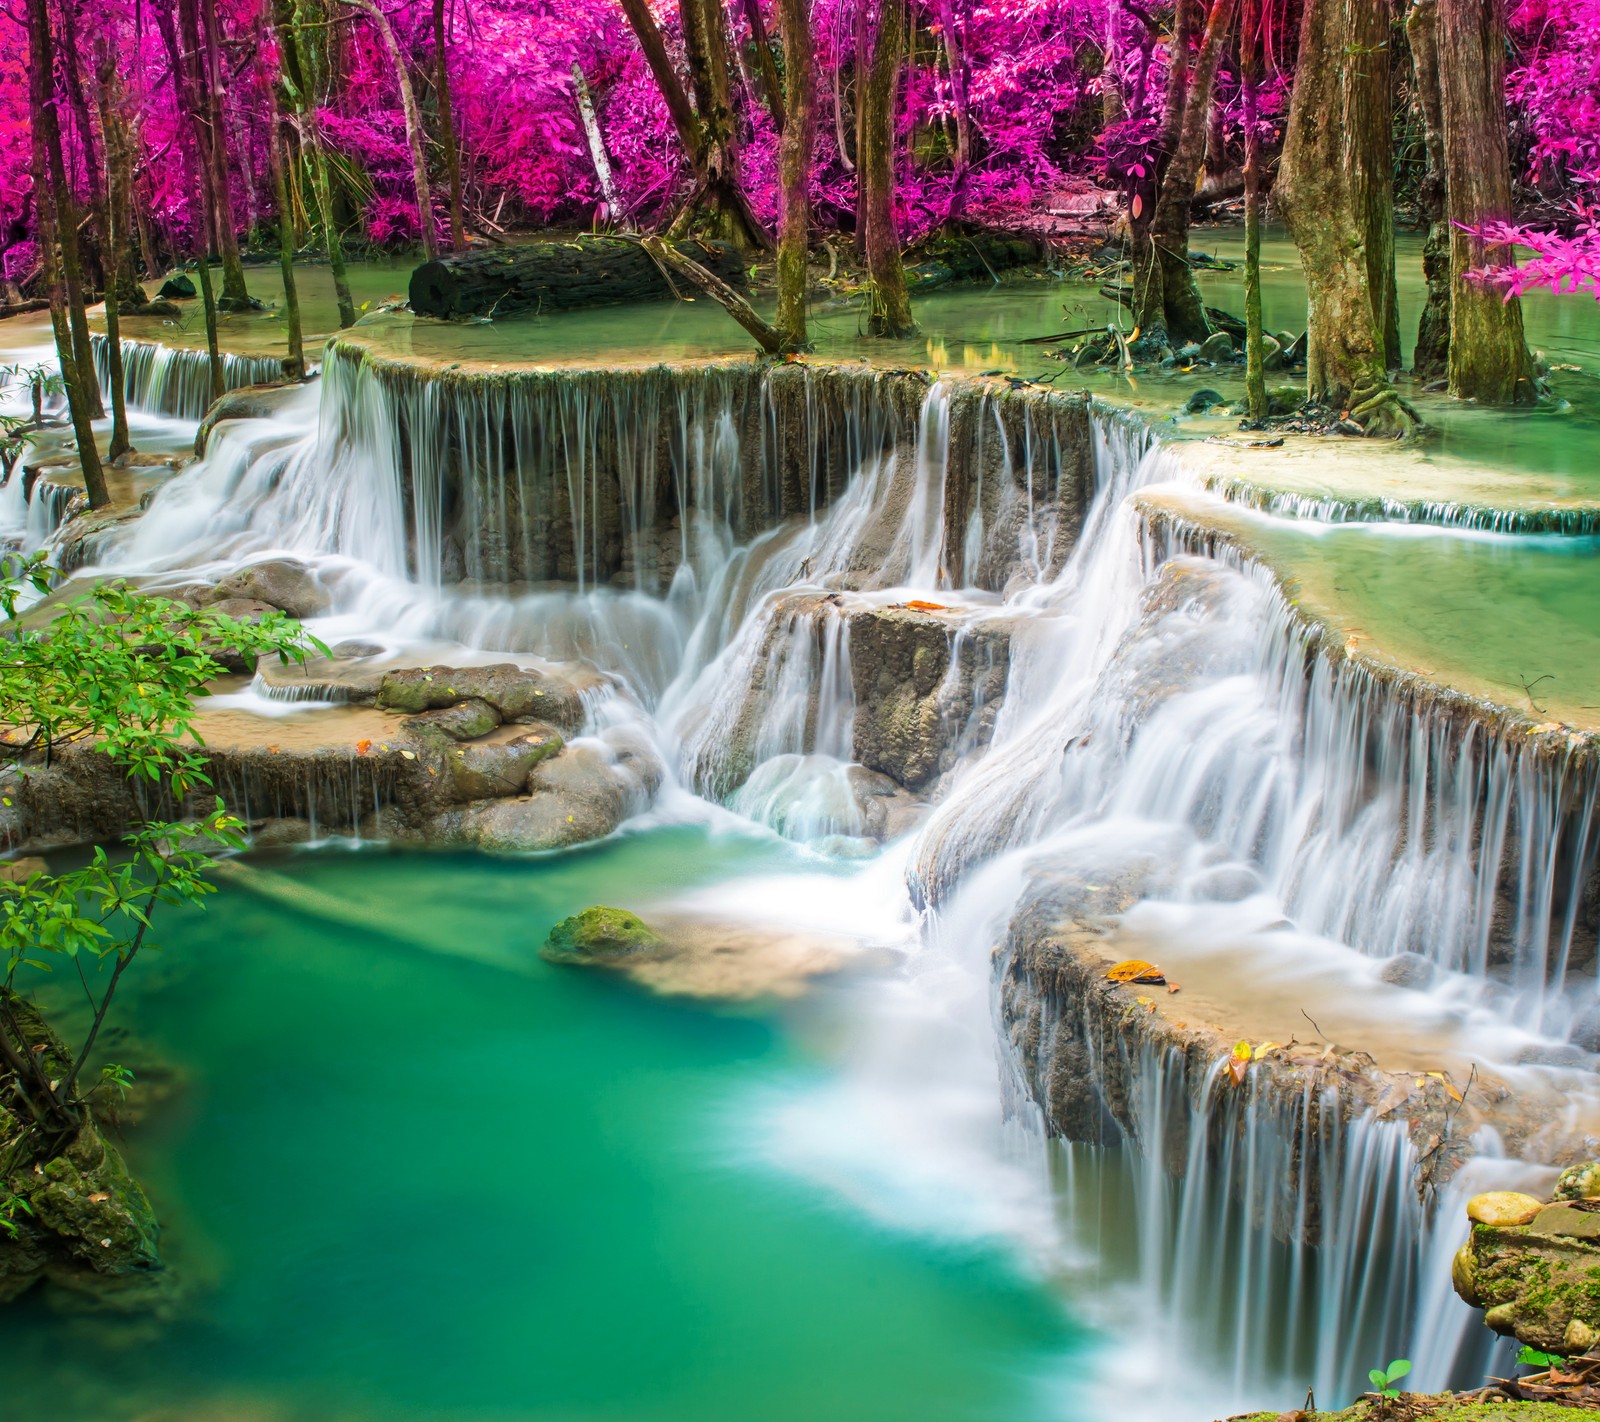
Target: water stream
{"type": "Point", "coordinates": [565, 1199]}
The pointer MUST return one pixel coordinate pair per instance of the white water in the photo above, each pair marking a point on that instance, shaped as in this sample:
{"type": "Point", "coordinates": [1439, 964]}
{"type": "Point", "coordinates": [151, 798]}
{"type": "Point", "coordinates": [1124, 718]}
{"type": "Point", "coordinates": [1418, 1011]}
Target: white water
{"type": "Point", "coordinates": [1295, 830]}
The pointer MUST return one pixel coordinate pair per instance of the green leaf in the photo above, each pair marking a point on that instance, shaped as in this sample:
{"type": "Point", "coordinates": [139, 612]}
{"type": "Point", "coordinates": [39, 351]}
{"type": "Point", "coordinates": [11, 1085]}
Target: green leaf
{"type": "Point", "coordinates": [1378, 1379]}
{"type": "Point", "coordinates": [1399, 1368]}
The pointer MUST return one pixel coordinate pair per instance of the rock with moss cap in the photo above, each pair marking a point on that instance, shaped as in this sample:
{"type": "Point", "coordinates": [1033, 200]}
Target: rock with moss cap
{"type": "Point", "coordinates": [600, 936]}
{"type": "Point", "coordinates": [1535, 1268]}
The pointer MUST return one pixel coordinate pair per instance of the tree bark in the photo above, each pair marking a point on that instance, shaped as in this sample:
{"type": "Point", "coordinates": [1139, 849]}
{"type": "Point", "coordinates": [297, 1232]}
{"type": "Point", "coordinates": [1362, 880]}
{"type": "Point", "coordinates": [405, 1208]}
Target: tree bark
{"type": "Point", "coordinates": [794, 169]}
{"type": "Point", "coordinates": [1255, 377]}
{"type": "Point", "coordinates": [1431, 360]}
{"type": "Point", "coordinates": [764, 62]}
{"type": "Point", "coordinates": [668, 256]}
{"type": "Point", "coordinates": [597, 145]}
{"type": "Point", "coordinates": [890, 311]}
{"type": "Point", "coordinates": [213, 89]}
{"type": "Point", "coordinates": [1489, 358]}
{"type": "Point", "coordinates": [119, 174]}
{"type": "Point", "coordinates": [447, 127]}
{"type": "Point", "coordinates": [294, 363]}
{"type": "Point", "coordinates": [413, 118]}
{"type": "Point", "coordinates": [1182, 312]}
{"type": "Point", "coordinates": [1335, 190]}
{"type": "Point", "coordinates": [707, 46]}
{"type": "Point", "coordinates": [654, 46]}
{"type": "Point", "coordinates": [58, 224]}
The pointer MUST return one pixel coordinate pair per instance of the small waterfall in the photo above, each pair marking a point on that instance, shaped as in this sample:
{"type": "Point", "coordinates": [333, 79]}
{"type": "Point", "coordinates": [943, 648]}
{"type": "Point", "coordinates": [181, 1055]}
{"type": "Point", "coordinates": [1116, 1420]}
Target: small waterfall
{"type": "Point", "coordinates": [174, 380]}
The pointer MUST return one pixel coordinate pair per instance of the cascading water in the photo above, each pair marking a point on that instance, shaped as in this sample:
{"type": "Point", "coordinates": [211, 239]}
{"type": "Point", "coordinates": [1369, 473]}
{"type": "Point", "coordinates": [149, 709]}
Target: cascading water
{"type": "Point", "coordinates": [174, 380]}
{"type": "Point", "coordinates": [1173, 756]}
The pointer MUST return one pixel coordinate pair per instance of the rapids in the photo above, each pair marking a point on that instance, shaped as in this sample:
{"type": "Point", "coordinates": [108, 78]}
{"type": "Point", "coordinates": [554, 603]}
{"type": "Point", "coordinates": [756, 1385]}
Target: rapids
{"type": "Point", "coordinates": [1292, 833]}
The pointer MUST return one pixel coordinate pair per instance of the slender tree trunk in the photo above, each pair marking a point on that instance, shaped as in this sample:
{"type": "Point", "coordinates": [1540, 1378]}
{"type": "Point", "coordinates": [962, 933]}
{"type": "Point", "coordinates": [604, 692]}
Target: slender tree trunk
{"type": "Point", "coordinates": [1112, 108]}
{"type": "Point", "coordinates": [794, 169]}
{"type": "Point", "coordinates": [1335, 189]}
{"type": "Point", "coordinates": [891, 302]}
{"type": "Point", "coordinates": [447, 126]}
{"type": "Point", "coordinates": [209, 68]}
{"type": "Point", "coordinates": [841, 129]}
{"type": "Point", "coordinates": [707, 45]}
{"type": "Point", "coordinates": [95, 263]}
{"type": "Point", "coordinates": [764, 62]}
{"type": "Point", "coordinates": [295, 362]}
{"type": "Point", "coordinates": [1149, 272]}
{"type": "Point", "coordinates": [413, 117]}
{"type": "Point", "coordinates": [1432, 358]}
{"type": "Point", "coordinates": [1255, 378]}
{"type": "Point", "coordinates": [1489, 357]}
{"type": "Point", "coordinates": [58, 237]}
{"type": "Point", "coordinates": [956, 62]}
{"type": "Point", "coordinates": [1183, 313]}
{"type": "Point", "coordinates": [119, 172]}
{"type": "Point", "coordinates": [597, 145]}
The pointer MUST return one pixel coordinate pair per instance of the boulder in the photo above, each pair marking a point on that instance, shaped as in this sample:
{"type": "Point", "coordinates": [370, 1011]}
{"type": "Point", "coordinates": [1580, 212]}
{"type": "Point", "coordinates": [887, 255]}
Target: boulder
{"type": "Point", "coordinates": [282, 583]}
{"type": "Point", "coordinates": [1579, 1182]}
{"type": "Point", "coordinates": [465, 721]}
{"type": "Point", "coordinates": [516, 693]}
{"type": "Point", "coordinates": [599, 936]}
{"type": "Point", "coordinates": [153, 308]}
{"type": "Point", "coordinates": [1535, 1268]}
{"type": "Point", "coordinates": [247, 402]}
{"type": "Point", "coordinates": [1217, 348]}
{"type": "Point", "coordinates": [1203, 401]}
{"type": "Point", "coordinates": [177, 287]}
{"type": "Point", "coordinates": [482, 771]}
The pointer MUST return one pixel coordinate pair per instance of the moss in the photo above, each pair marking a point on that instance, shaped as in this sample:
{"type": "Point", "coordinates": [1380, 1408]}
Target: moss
{"type": "Point", "coordinates": [599, 935]}
{"type": "Point", "coordinates": [1441, 1407]}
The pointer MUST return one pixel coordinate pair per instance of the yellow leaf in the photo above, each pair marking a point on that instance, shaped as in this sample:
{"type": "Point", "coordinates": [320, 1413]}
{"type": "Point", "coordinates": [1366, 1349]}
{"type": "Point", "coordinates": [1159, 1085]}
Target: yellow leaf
{"type": "Point", "coordinates": [1263, 1048]}
{"type": "Point", "coordinates": [1136, 970]}
{"type": "Point", "coordinates": [1241, 1051]}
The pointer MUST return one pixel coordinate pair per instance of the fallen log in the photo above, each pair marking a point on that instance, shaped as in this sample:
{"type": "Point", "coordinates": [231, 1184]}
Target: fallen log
{"type": "Point", "coordinates": [556, 276]}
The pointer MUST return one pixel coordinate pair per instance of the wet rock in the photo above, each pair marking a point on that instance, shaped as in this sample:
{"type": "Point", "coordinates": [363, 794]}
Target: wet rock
{"type": "Point", "coordinates": [1217, 348]}
{"type": "Point", "coordinates": [1503, 1207]}
{"type": "Point", "coordinates": [1203, 400]}
{"type": "Point", "coordinates": [153, 308]}
{"type": "Point", "coordinates": [465, 721]}
{"type": "Point", "coordinates": [1188, 352]}
{"type": "Point", "coordinates": [247, 402]}
{"type": "Point", "coordinates": [1272, 353]}
{"type": "Point", "coordinates": [1409, 970]}
{"type": "Point", "coordinates": [1579, 1182]}
{"type": "Point", "coordinates": [599, 935]}
{"type": "Point", "coordinates": [341, 678]}
{"type": "Point", "coordinates": [282, 583]}
{"type": "Point", "coordinates": [516, 693]}
{"type": "Point", "coordinates": [1284, 400]}
{"type": "Point", "coordinates": [492, 771]}
{"type": "Point", "coordinates": [177, 287]}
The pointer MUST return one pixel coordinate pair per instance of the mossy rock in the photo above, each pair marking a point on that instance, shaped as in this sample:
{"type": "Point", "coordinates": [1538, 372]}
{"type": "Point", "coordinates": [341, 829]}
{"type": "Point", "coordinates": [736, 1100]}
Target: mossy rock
{"type": "Point", "coordinates": [600, 935]}
{"type": "Point", "coordinates": [1539, 1281]}
{"type": "Point", "coordinates": [1441, 1407]}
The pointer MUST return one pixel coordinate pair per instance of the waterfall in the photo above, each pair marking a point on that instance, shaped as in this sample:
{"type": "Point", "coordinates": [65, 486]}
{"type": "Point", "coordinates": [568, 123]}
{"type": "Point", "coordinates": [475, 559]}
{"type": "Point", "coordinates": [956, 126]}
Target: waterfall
{"type": "Point", "coordinates": [1116, 730]}
{"type": "Point", "coordinates": [175, 380]}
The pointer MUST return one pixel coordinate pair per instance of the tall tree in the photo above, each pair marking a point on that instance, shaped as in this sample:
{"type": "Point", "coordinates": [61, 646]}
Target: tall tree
{"type": "Point", "coordinates": [206, 38]}
{"type": "Point", "coordinates": [1489, 358]}
{"type": "Point", "coordinates": [1431, 360]}
{"type": "Point", "coordinates": [117, 149]}
{"type": "Point", "coordinates": [1250, 46]}
{"type": "Point", "coordinates": [447, 125]}
{"type": "Point", "coordinates": [1335, 190]}
{"type": "Point", "coordinates": [890, 313]}
{"type": "Point", "coordinates": [278, 110]}
{"type": "Point", "coordinates": [794, 168]}
{"type": "Point", "coordinates": [58, 232]}
{"type": "Point", "coordinates": [1166, 298]}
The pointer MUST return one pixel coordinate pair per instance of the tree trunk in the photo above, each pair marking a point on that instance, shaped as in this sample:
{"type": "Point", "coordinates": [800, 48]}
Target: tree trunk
{"type": "Point", "coordinates": [447, 127]}
{"type": "Point", "coordinates": [891, 302]}
{"type": "Point", "coordinates": [413, 117]}
{"type": "Point", "coordinates": [764, 61]}
{"type": "Point", "coordinates": [58, 228]}
{"type": "Point", "coordinates": [1489, 357]}
{"type": "Point", "coordinates": [654, 46]}
{"type": "Point", "coordinates": [209, 69]}
{"type": "Point", "coordinates": [1182, 312]}
{"type": "Point", "coordinates": [597, 145]}
{"type": "Point", "coordinates": [794, 169]}
{"type": "Point", "coordinates": [1335, 190]}
{"type": "Point", "coordinates": [119, 175]}
{"type": "Point", "coordinates": [1432, 358]}
{"type": "Point", "coordinates": [706, 43]}
{"type": "Point", "coordinates": [1255, 378]}
{"type": "Point", "coordinates": [294, 363]}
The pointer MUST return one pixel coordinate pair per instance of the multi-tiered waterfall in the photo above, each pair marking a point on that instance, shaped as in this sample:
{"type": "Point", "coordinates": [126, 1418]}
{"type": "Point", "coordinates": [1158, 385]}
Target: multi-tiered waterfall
{"type": "Point", "coordinates": [831, 597]}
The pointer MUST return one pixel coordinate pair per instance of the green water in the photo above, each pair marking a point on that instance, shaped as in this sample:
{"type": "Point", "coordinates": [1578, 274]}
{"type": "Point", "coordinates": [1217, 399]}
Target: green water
{"type": "Point", "coordinates": [1509, 618]}
{"type": "Point", "coordinates": [404, 1184]}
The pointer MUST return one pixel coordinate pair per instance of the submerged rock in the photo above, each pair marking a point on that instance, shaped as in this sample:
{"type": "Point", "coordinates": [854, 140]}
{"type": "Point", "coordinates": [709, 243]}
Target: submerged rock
{"type": "Point", "coordinates": [600, 935]}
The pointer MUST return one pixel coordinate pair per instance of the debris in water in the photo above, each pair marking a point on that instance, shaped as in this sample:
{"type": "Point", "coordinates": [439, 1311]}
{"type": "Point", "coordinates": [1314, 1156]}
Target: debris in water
{"type": "Point", "coordinates": [1136, 970]}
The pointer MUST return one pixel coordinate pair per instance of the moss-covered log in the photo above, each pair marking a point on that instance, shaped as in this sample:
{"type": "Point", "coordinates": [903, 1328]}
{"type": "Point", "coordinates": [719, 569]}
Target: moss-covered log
{"type": "Point", "coordinates": [556, 276]}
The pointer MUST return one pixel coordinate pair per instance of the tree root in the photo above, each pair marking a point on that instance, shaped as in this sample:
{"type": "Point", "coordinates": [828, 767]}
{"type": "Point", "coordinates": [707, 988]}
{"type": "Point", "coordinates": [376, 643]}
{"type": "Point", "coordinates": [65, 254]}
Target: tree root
{"type": "Point", "coordinates": [1382, 414]}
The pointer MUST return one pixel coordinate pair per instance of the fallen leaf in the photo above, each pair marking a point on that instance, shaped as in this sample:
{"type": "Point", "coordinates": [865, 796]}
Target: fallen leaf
{"type": "Point", "coordinates": [409, 755]}
{"type": "Point", "coordinates": [1136, 970]}
{"type": "Point", "coordinates": [362, 747]}
{"type": "Point", "coordinates": [99, 1197]}
{"type": "Point", "coordinates": [917, 605]}
{"type": "Point", "coordinates": [1173, 987]}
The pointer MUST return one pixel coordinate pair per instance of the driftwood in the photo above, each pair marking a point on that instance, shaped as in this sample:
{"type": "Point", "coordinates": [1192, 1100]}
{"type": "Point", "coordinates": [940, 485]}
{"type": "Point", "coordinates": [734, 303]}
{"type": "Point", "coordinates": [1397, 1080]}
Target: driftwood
{"type": "Point", "coordinates": [556, 276]}
{"type": "Point", "coordinates": [767, 336]}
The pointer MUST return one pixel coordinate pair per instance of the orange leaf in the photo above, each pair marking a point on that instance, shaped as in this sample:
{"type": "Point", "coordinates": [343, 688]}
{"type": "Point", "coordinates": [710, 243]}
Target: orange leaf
{"type": "Point", "coordinates": [362, 747]}
{"type": "Point", "coordinates": [918, 606]}
{"type": "Point", "coordinates": [1135, 970]}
